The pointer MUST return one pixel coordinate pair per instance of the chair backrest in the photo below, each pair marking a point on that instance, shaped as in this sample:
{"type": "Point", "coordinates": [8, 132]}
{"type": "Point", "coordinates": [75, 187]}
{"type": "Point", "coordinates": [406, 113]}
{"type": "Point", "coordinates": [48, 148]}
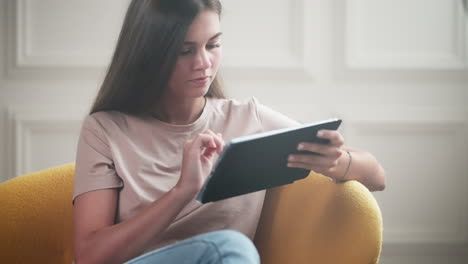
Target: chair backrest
{"type": "Point", "coordinates": [310, 221]}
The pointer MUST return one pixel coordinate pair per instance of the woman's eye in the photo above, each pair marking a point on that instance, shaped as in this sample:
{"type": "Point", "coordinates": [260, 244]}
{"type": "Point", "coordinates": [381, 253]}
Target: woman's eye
{"type": "Point", "coordinates": [213, 46]}
{"type": "Point", "coordinates": [185, 52]}
{"type": "Point", "coordinates": [188, 51]}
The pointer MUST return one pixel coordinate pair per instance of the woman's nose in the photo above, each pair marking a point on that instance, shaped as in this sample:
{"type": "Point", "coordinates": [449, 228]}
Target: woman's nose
{"type": "Point", "coordinates": [202, 61]}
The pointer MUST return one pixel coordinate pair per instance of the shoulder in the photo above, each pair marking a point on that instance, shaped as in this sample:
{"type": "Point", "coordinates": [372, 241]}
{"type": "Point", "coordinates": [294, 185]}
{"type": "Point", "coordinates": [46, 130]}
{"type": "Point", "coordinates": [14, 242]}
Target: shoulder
{"type": "Point", "coordinates": [105, 122]}
{"type": "Point", "coordinates": [251, 109]}
{"type": "Point", "coordinates": [100, 120]}
{"type": "Point", "coordinates": [231, 105]}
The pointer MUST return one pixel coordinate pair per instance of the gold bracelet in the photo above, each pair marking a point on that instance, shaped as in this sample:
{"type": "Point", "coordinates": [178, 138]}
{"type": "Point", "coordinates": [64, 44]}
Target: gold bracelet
{"type": "Point", "coordinates": [343, 178]}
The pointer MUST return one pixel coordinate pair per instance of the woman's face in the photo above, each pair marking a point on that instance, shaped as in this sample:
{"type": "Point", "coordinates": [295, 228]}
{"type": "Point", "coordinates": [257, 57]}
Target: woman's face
{"type": "Point", "coordinates": [199, 58]}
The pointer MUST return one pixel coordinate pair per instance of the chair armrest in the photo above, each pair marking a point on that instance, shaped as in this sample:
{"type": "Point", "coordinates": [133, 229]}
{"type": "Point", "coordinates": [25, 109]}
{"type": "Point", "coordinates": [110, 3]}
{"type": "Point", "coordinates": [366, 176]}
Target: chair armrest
{"type": "Point", "coordinates": [36, 217]}
{"type": "Point", "coordinates": [315, 220]}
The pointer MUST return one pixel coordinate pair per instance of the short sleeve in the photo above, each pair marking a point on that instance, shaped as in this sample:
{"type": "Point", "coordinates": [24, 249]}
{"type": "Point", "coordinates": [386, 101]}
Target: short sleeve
{"type": "Point", "coordinates": [95, 168]}
{"type": "Point", "coordinates": [271, 119]}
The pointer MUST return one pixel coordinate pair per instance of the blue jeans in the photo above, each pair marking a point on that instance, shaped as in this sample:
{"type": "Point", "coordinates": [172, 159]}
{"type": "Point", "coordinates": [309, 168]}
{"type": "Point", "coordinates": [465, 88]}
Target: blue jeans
{"type": "Point", "coordinates": [225, 246]}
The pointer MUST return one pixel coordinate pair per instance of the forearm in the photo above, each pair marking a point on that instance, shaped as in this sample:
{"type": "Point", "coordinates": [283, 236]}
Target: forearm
{"type": "Point", "coordinates": [121, 242]}
{"type": "Point", "coordinates": [364, 168]}
{"type": "Point", "coordinates": [360, 166]}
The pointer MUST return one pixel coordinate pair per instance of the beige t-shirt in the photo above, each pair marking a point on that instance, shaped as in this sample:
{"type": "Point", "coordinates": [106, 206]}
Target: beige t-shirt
{"type": "Point", "coordinates": [141, 156]}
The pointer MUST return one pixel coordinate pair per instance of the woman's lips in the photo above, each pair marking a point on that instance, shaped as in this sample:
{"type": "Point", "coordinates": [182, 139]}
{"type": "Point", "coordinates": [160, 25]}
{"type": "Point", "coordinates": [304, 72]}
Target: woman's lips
{"type": "Point", "coordinates": [201, 81]}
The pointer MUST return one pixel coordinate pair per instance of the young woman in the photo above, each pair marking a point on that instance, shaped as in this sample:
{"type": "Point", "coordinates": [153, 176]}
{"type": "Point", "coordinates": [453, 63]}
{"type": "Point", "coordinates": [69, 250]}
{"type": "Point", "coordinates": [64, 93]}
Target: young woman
{"type": "Point", "coordinates": [154, 131]}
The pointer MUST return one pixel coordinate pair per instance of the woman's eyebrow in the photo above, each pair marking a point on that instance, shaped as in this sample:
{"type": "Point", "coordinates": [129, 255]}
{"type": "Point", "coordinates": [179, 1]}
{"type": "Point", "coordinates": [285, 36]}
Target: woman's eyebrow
{"type": "Point", "coordinates": [213, 37]}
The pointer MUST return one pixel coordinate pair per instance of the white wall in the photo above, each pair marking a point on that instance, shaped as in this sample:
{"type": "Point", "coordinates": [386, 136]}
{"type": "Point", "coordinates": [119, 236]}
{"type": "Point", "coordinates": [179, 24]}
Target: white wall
{"type": "Point", "coordinates": [396, 71]}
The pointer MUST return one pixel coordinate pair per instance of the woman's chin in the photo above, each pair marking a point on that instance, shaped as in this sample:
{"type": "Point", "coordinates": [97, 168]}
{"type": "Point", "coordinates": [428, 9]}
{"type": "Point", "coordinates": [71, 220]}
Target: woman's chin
{"type": "Point", "coordinates": [200, 91]}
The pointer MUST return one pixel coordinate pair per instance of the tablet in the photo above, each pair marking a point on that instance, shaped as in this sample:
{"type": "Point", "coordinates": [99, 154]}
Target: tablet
{"type": "Point", "coordinates": [258, 162]}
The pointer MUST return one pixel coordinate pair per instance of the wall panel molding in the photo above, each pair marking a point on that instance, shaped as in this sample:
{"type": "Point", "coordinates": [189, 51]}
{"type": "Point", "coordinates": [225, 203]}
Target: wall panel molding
{"type": "Point", "coordinates": [422, 253]}
{"type": "Point", "coordinates": [448, 198]}
{"type": "Point", "coordinates": [425, 249]}
{"type": "Point", "coordinates": [33, 57]}
{"type": "Point", "coordinates": [266, 56]}
{"type": "Point", "coordinates": [29, 125]}
{"type": "Point", "coordinates": [360, 54]}
{"type": "Point", "coordinates": [4, 157]}
{"type": "Point", "coordinates": [403, 138]}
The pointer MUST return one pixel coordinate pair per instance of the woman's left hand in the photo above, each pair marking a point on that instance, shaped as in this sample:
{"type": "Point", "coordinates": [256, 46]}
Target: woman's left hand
{"type": "Point", "coordinates": [330, 162]}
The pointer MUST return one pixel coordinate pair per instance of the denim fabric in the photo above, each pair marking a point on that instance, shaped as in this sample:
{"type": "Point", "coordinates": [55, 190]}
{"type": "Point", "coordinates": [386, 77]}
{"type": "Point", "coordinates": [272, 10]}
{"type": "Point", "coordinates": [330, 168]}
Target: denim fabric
{"type": "Point", "coordinates": [225, 247]}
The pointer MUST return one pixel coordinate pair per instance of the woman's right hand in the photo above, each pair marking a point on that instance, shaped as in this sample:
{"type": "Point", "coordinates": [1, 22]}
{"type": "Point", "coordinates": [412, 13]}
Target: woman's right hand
{"type": "Point", "coordinates": [197, 161]}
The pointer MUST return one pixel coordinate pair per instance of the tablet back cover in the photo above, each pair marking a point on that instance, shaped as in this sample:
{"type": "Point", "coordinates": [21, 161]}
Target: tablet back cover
{"type": "Point", "coordinates": [258, 162]}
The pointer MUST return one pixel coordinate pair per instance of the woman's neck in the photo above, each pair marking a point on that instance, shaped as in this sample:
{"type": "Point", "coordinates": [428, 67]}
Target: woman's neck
{"type": "Point", "coordinates": [181, 111]}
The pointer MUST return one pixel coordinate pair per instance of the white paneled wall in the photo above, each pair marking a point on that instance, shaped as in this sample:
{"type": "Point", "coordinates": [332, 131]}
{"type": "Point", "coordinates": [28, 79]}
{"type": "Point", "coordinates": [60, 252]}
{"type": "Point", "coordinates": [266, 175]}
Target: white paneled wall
{"type": "Point", "coordinates": [41, 136]}
{"type": "Point", "coordinates": [400, 34]}
{"type": "Point", "coordinates": [61, 39]}
{"type": "Point", "coordinates": [396, 71]}
{"type": "Point", "coordinates": [264, 41]}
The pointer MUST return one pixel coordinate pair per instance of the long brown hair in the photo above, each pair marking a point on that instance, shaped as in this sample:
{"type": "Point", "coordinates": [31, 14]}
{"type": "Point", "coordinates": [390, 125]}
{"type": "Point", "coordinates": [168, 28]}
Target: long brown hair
{"type": "Point", "coordinates": [149, 44]}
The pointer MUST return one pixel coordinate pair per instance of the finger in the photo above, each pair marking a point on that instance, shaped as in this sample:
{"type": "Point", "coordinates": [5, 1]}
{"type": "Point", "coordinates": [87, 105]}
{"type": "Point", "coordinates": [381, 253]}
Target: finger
{"type": "Point", "coordinates": [316, 168]}
{"type": "Point", "coordinates": [204, 140]}
{"type": "Point", "coordinates": [306, 166]}
{"type": "Point", "coordinates": [323, 171]}
{"type": "Point", "coordinates": [334, 136]}
{"type": "Point", "coordinates": [322, 149]}
{"type": "Point", "coordinates": [220, 141]}
{"type": "Point", "coordinates": [209, 152]}
{"type": "Point", "coordinates": [298, 165]}
{"type": "Point", "coordinates": [217, 138]}
{"type": "Point", "coordinates": [313, 161]}
{"type": "Point", "coordinates": [210, 133]}
{"type": "Point", "coordinates": [216, 143]}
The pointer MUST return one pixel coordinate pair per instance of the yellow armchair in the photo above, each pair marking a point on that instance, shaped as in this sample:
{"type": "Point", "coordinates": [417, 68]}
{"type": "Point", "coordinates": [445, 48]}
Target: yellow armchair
{"type": "Point", "coordinates": [310, 221]}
